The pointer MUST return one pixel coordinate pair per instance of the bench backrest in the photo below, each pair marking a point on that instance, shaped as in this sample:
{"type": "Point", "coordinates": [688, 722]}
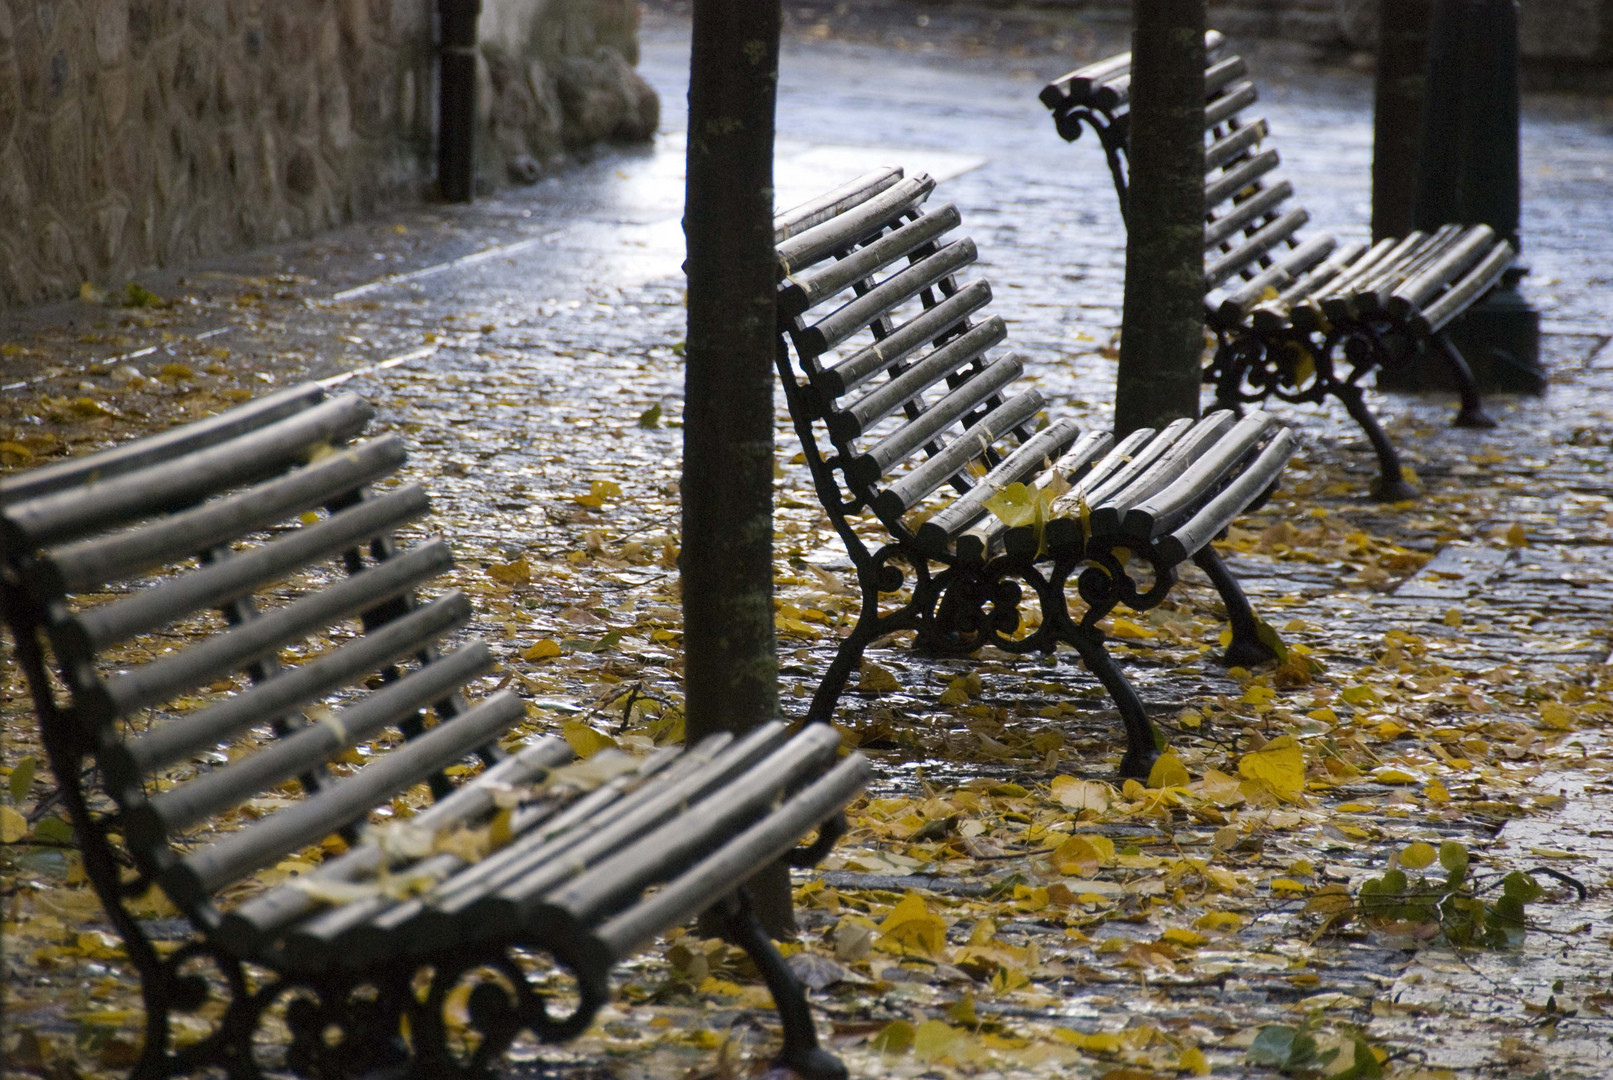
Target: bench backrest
{"type": "Point", "coordinates": [1249, 227]}
{"type": "Point", "coordinates": [900, 402]}
{"type": "Point", "coordinates": [233, 592]}
{"type": "Point", "coordinates": [1255, 264]}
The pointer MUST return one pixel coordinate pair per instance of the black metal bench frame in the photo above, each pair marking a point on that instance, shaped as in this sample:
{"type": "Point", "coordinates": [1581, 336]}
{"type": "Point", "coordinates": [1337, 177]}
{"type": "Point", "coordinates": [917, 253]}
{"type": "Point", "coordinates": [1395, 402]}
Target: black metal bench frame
{"type": "Point", "coordinates": [361, 984]}
{"type": "Point", "coordinates": [966, 572]}
{"type": "Point", "coordinates": [1299, 321]}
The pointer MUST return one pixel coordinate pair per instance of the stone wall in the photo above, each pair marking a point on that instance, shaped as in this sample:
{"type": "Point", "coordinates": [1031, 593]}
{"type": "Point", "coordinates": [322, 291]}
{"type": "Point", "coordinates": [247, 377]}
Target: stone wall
{"type": "Point", "coordinates": [557, 76]}
{"type": "Point", "coordinates": [136, 133]}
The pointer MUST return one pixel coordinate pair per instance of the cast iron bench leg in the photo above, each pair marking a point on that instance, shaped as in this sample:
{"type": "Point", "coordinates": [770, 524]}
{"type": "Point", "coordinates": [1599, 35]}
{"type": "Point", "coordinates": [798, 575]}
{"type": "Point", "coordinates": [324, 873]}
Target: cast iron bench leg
{"type": "Point", "coordinates": [1391, 485]}
{"type": "Point", "coordinates": [800, 1052]}
{"type": "Point", "coordinates": [1234, 355]}
{"type": "Point", "coordinates": [1142, 744]}
{"type": "Point", "coordinates": [846, 657]}
{"type": "Point", "coordinates": [1471, 414]}
{"type": "Point", "coordinates": [1246, 649]}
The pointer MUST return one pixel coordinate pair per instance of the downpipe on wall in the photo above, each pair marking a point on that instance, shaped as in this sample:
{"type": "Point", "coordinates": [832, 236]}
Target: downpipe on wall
{"type": "Point", "coordinates": [456, 102]}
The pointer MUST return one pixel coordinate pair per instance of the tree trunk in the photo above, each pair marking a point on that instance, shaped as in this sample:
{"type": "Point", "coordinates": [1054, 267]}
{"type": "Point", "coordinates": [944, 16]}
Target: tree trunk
{"type": "Point", "coordinates": [1162, 326]}
{"type": "Point", "coordinates": [1397, 114]}
{"type": "Point", "coordinates": [730, 657]}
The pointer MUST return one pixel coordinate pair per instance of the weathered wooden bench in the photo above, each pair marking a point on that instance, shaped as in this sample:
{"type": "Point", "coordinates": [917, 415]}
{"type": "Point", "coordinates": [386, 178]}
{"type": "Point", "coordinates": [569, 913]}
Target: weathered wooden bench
{"type": "Point", "coordinates": [1282, 308]}
{"type": "Point", "coordinates": [910, 425]}
{"type": "Point", "coordinates": [217, 625]}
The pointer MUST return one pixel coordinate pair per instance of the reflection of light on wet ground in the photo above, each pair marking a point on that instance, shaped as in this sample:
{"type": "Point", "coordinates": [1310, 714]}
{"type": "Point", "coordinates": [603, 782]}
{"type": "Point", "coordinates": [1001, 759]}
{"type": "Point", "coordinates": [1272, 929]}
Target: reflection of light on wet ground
{"type": "Point", "coordinates": [629, 228]}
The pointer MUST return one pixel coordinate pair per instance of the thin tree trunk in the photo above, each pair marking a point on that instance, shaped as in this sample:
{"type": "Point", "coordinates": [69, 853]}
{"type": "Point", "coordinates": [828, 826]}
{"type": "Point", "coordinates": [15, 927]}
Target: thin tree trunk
{"type": "Point", "coordinates": [1162, 326]}
{"type": "Point", "coordinates": [730, 657]}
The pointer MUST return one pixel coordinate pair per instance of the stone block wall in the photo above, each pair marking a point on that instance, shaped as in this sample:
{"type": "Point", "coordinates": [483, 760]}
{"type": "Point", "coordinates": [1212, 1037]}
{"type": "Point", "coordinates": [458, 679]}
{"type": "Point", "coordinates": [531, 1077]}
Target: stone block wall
{"type": "Point", "coordinates": [141, 132]}
{"type": "Point", "coordinates": [137, 133]}
{"type": "Point", "coordinates": [556, 76]}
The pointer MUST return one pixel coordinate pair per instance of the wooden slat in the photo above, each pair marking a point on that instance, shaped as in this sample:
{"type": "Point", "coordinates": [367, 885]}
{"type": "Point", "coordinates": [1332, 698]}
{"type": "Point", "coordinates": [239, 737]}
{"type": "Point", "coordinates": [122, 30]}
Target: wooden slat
{"type": "Point", "coordinates": [903, 340]}
{"type": "Point", "coordinates": [1473, 245]}
{"type": "Point", "coordinates": [359, 933]}
{"type": "Point", "coordinates": [1223, 72]}
{"type": "Point", "coordinates": [1109, 509]}
{"type": "Point", "coordinates": [1478, 281]}
{"type": "Point", "coordinates": [926, 477]}
{"type": "Point", "coordinates": [937, 532]}
{"type": "Point", "coordinates": [1240, 258]}
{"type": "Point", "coordinates": [1064, 530]}
{"type": "Point", "coordinates": [790, 223]}
{"type": "Point", "coordinates": [1370, 296]}
{"type": "Point", "coordinates": [1294, 304]}
{"type": "Point", "coordinates": [291, 687]}
{"type": "Point", "coordinates": [1234, 100]}
{"type": "Point", "coordinates": [225, 653]}
{"type": "Point", "coordinates": [238, 574]}
{"type": "Point", "coordinates": [243, 928]}
{"type": "Point", "coordinates": [269, 839]}
{"type": "Point", "coordinates": [1078, 84]}
{"type": "Point", "coordinates": [853, 224]}
{"type": "Point", "coordinates": [1240, 176]}
{"type": "Point", "coordinates": [1310, 316]}
{"type": "Point", "coordinates": [736, 861]}
{"type": "Point", "coordinates": [803, 290]}
{"type": "Point", "coordinates": [1244, 214]}
{"type": "Point", "coordinates": [290, 756]}
{"type": "Point", "coordinates": [1233, 144]}
{"type": "Point", "coordinates": [1100, 490]}
{"type": "Point", "coordinates": [605, 886]}
{"type": "Point", "coordinates": [1232, 308]}
{"type": "Point", "coordinates": [900, 287]}
{"type": "Point", "coordinates": [1185, 541]}
{"type": "Point", "coordinates": [1114, 92]}
{"type": "Point", "coordinates": [1077, 463]}
{"type": "Point", "coordinates": [1176, 502]}
{"type": "Point", "coordinates": [179, 482]}
{"type": "Point", "coordinates": [99, 560]}
{"type": "Point", "coordinates": [849, 421]}
{"type": "Point", "coordinates": [879, 458]}
{"type": "Point", "coordinates": [546, 857]}
{"type": "Point", "coordinates": [155, 449]}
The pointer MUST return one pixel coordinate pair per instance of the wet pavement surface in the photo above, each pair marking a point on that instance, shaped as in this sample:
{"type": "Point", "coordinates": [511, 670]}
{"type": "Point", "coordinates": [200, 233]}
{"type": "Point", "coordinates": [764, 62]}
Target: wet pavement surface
{"type": "Point", "coordinates": [524, 344]}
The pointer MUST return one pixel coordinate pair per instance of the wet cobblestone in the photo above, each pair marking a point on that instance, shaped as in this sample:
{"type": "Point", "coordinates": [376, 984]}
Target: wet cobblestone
{"type": "Point", "coordinates": [518, 343]}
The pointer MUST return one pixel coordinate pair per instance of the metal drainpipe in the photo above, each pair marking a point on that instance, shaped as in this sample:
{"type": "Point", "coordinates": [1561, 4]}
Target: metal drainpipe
{"type": "Point", "coordinates": [456, 102]}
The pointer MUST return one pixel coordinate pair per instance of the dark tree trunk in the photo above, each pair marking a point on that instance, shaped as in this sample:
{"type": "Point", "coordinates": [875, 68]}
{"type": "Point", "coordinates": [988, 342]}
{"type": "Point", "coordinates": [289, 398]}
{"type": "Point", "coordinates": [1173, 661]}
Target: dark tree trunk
{"type": "Point", "coordinates": [1162, 327]}
{"type": "Point", "coordinates": [730, 658]}
{"type": "Point", "coordinates": [1397, 114]}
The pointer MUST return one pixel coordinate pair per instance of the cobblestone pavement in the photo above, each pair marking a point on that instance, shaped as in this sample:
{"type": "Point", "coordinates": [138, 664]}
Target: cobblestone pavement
{"type": "Point", "coordinates": [517, 344]}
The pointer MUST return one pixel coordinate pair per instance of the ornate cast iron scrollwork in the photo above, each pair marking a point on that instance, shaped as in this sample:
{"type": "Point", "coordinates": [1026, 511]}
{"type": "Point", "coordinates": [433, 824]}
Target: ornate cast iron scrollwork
{"type": "Point", "coordinates": [501, 1004]}
{"type": "Point", "coordinates": [1249, 368]}
{"type": "Point", "coordinates": [973, 609]}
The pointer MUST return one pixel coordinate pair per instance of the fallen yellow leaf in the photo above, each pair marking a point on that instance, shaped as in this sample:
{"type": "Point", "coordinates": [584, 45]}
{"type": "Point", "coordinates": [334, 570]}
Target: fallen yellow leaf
{"type": "Point", "coordinates": [1168, 771]}
{"type": "Point", "coordinates": [913, 927]}
{"type": "Point", "coordinates": [541, 650]}
{"type": "Point", "coordinates": [1280, 765]}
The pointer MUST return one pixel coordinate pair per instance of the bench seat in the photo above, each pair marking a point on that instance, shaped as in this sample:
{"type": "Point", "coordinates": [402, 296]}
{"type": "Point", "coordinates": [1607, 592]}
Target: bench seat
{"type": "Point", "coordinates": [913, 424]}
{"type": "Point", "coordinates": [1297, 318]}
{"type": "Point", "coordinates": [222, 615]}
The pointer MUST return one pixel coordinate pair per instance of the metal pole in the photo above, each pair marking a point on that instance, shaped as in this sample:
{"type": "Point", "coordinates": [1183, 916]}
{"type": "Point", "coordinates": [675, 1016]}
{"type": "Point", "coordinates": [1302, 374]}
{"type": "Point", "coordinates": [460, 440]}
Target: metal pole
{"type": "Point", "coordinates": [1397, 112]}
{"type": "Point", "coordinates": [456, 103]}
{"type": "Point", "coordinates": [1469, 174]}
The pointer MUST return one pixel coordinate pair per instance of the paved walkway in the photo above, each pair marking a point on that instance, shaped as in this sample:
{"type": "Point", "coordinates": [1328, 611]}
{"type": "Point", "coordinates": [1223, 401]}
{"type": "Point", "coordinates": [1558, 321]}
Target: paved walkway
{"type": "Point", "coordinates": [518, 343]}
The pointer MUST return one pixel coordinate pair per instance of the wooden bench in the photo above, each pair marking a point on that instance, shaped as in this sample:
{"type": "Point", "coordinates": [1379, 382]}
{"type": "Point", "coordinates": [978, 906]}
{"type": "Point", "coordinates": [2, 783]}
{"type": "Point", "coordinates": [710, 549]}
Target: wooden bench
{"type": "Point", "coordinates": [1297, 319]}
{"type": "Point", "coordinates": [217, 625]}
{"type": "Point", "coordinates": [910, 424]}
